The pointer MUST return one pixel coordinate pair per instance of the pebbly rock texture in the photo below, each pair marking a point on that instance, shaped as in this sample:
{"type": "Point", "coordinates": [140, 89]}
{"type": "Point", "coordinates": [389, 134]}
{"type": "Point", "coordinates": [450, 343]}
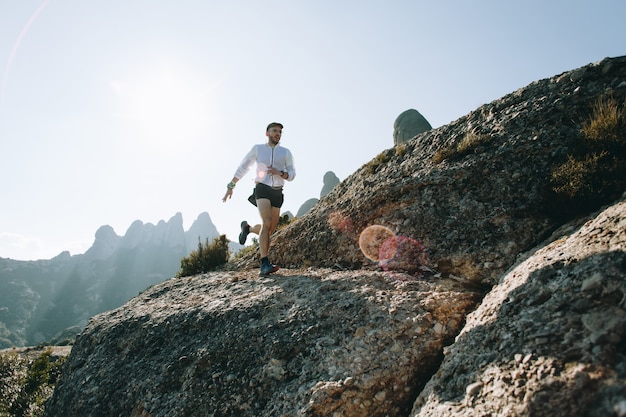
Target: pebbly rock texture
{"type": "Point", "coordinates": [309, 343]}
{"type": "Point", "coordinates": [549, 340]}
{"type": "Point", "coordinates": [473, 208]}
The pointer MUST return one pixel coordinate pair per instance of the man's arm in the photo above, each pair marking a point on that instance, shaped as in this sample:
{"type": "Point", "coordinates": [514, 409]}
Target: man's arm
{"type": "Point", "coordinates": [242, 170]}
{"type": "Point", "coordinates": [290, 167]}
{"type": "Point", "coordinates": [229, 189]}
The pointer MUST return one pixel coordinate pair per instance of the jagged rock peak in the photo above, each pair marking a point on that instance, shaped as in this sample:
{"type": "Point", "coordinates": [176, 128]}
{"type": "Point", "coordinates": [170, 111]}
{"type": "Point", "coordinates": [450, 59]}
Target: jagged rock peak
{"type": "Point", "coordinates": [170, 233]}
{"type": "Point", "coordinates": [409, 124]}
{"type": "Point", "coordinates": [63, 256]}
{"type": "Point", "coordinates": [105, 233]}
{"type": "Point", "coordinates": [202, 228]}
{"type": "Point", "coordinates": [330, 181]}
{"type": "Point", "coordinates": [105, 243]}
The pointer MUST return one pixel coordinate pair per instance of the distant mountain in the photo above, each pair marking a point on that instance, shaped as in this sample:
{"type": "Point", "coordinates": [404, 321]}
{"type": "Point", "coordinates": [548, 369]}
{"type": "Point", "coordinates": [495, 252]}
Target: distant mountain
{"type": "Point", "coordinates": [41, 299]}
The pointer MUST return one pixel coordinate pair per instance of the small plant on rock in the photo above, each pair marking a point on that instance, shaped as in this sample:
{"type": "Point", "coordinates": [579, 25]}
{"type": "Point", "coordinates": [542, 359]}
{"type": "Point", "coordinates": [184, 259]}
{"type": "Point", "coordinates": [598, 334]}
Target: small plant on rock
{"type": "Point", "coordinates": [469, 144]}
{"type": "Point", "coordinates": [595, 173]}
{"type": "Point", "coordinates": [375, 164]}
{"type": "Point", "coordinates": [206, 258]}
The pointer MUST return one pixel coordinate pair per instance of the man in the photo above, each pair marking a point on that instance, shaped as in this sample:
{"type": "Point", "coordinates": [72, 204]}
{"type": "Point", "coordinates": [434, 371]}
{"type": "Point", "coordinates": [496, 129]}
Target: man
{"type": "Point", "coordinates": [274, 166]}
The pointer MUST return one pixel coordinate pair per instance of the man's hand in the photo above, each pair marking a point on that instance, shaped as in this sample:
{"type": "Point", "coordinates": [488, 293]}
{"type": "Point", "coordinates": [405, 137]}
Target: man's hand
{"type": "Point", "coordinates": [229, 194]}
{"type": "Point", "coordinates": [273, 171]}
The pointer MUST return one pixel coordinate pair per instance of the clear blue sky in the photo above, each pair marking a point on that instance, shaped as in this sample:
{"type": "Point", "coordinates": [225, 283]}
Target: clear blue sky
{"type": "Point", "coordinates": [121, 110]}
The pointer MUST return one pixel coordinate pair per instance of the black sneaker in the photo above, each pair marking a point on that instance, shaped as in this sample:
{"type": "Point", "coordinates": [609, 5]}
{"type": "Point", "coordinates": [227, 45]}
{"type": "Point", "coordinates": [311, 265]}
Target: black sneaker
{"type": "Point", "coordinates": [267, 269]}
{"type": "Point", "coordinates": [245, 230]}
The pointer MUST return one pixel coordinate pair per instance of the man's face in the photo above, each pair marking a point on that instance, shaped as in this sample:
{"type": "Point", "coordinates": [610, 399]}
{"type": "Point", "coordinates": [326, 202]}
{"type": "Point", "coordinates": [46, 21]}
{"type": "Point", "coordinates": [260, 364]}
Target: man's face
{"type": "Point", "coordinates": [274, 134]}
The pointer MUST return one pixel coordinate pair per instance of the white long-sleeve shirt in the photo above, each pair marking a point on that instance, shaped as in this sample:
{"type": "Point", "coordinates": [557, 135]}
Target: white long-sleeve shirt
{"type": "Point", "coordinates": [266, 156]}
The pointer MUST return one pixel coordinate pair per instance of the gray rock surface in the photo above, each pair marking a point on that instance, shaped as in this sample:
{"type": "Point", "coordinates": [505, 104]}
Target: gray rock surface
{"type": "Point", "coordinates": [309, 343]}
{"type": "Point", "coordinates": [549, 339]}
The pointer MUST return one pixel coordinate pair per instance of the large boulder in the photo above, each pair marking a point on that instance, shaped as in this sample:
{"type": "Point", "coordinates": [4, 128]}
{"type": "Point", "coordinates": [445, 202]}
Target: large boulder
{"type": "Point", "coordinates": [549, 340]}
{"type": "Point", "coordinates": [308, 343]}
{"type": "Point", "coordinates": [474, 193]}
{"type": "Point", "coordinates": [330, 181]}
{"type": "Point", "coordinates": [409, 124]}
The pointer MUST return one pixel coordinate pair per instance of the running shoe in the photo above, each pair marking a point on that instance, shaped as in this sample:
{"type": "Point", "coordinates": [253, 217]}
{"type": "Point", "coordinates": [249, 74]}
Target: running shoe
{"type": "Point", "coordinates": [267, 269]}
{"type": "Point", "coordinates": [245, 230]}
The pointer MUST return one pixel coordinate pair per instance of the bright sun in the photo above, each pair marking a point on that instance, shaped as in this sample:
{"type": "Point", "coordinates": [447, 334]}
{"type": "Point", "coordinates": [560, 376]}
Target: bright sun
{"type": "Point", "coordinates": [167, 108]}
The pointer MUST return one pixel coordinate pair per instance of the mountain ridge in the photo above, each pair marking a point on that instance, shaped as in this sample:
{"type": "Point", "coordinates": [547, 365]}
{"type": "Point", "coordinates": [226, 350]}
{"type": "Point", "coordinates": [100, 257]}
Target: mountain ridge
{"type": "Point", "coordinates": [111, 271]}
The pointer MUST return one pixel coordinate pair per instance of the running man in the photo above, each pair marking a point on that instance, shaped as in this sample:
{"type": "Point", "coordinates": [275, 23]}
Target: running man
{"type": "Point", "coordinates": [274, 166]}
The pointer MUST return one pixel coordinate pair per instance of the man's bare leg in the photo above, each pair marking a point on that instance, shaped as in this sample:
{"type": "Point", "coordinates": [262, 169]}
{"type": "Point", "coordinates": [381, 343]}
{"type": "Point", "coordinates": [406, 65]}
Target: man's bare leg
{"type": "Point", "coordinates": [269, 220]}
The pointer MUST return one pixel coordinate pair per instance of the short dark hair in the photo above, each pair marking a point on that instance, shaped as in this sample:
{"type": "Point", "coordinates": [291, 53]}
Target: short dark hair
{"type": "Point", "coordinates": [273, 124]}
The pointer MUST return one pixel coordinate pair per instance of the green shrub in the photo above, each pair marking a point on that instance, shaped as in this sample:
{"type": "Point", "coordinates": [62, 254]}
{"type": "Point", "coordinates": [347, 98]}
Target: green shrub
{"type": "Point", "coordinates": [206, 258]}
{"type": "Point", "coordinates": [25, 386]}
{"type": "Point", "coordinates": [595, 173]}
{"type": "Point", "coordinates": [12, 375]}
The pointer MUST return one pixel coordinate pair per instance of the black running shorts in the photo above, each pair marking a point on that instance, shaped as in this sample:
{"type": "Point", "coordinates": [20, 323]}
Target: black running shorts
{"type": "Point", "coordinates": [275, 195]}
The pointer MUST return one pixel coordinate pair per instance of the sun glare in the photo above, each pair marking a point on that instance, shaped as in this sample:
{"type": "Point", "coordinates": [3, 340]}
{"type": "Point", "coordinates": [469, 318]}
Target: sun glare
{"type": "Point", "coordinates": [166, 108]}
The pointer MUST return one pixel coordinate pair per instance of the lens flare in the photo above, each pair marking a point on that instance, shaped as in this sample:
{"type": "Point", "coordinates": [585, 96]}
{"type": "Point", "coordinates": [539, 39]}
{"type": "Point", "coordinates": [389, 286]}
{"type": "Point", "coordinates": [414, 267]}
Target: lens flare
{"type": "Point", "coordinates": [340, 222]}
{"type": "Point", "coordinates": [372, 239]}
{"type": "Point", "coordinates": [16, 46]}
{"type": "Point", "coordinates": [393, 253]}
{"type": "Point", "coordinates": [403, 254]}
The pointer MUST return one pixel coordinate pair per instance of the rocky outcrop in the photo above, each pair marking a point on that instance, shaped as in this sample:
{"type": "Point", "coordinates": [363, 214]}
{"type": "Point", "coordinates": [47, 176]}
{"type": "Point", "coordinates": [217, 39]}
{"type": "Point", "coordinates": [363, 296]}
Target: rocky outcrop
{"type": "Point", "coordinates": [330, 181]}
{"type": "Point", "coordinates": [307, 206]}
{"type": "Point", "coordinates": [474, 193]}
{"type": "Point", "coordinates": [454, 283]}
{"type": "Point", "coordinates": [549, 339]}
{"type": "Point", "coordinates": [231, 344]}
{"type": "Point", "coordinates": [409, 124]}
{"type": "Point", "coordinates": [105, 243]}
